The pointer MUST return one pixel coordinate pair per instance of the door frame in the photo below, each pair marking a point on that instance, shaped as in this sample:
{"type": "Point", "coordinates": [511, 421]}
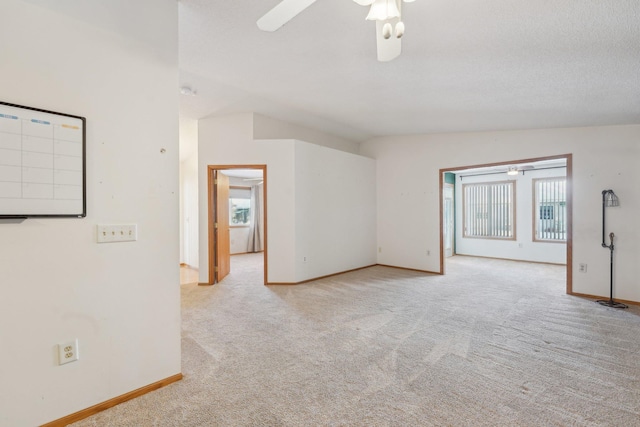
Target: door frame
{"type": "Point", "coordinates": [569, 160]}
{"type": "Point", "coordinates": [221, 230]}
{"type": "Point", "coordinates": [211, 214]}
{"type": "Point", "coordinates": [444, 220]}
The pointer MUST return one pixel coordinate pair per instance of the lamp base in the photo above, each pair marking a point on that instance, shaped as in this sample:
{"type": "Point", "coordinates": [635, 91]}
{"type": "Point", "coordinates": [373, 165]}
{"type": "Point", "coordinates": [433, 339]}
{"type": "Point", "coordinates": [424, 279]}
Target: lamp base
{"type": "Point", "coordinates": [611, 303]}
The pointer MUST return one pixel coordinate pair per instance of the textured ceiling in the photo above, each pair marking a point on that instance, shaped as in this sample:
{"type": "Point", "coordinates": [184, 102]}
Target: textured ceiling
{"type": "Point", "coordinates": [466, 65]}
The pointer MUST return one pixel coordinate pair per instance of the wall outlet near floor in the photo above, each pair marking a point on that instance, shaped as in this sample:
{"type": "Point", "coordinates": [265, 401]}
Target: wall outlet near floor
{"type": "Point", "coordinates": [582, 267]}
{"type": "Point", "coordinates": [428, 252]}
{"type": "Point", "coordinates": [305, 259]}
{"type": "Point", "coordinates": [68, 352]}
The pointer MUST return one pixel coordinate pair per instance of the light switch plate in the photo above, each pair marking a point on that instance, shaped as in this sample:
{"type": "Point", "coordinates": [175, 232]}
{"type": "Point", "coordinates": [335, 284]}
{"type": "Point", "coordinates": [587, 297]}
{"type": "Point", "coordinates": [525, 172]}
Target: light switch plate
{"type": "Point", "coordinates": [116, 233]}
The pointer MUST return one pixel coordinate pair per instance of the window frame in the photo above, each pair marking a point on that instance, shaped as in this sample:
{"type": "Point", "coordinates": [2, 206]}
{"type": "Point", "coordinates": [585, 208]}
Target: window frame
{"type": "Point", "coordinates": [513, 212]}
{"type": "Point", "coordinates": [535, 210]}
{"type": "Point", "coordinates": [239, 187]}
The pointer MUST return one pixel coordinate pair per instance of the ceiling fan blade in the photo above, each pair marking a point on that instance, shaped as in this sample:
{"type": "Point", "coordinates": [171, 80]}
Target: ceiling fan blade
{"type": "Point", "coordinates": [284, 11]}
{"type": "Point", "coordinates": [390, 48]}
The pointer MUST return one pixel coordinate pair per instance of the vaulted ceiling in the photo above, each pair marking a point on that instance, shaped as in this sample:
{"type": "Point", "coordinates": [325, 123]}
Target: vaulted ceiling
{"type": "Point", "coordinates": [466, 65]}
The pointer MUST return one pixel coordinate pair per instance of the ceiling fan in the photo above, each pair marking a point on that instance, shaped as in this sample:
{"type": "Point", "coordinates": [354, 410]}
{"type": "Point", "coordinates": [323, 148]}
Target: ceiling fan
{"type": "Point", "coordinates": [386, 13]}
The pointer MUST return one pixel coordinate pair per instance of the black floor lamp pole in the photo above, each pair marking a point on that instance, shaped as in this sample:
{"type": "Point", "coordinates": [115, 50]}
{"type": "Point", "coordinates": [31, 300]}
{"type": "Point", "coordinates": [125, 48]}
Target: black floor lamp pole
{"type": "Point", "coordinates": [613, 200]}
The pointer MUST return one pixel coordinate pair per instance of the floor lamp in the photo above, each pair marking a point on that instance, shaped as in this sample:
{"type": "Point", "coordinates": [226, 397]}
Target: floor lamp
{"type": "Point", "coordinates": [609, 199]}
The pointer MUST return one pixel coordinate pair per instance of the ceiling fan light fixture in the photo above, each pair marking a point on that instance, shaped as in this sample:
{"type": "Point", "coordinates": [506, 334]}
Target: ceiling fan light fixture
{"type": "Point", "coordinates": [387, 12]}
{"type": "Point", "coordinates": [386, 31]}
{"type": "Point", "coordinates": [513, 170]}
{"type": "Point", "coordinates": [381, 10]}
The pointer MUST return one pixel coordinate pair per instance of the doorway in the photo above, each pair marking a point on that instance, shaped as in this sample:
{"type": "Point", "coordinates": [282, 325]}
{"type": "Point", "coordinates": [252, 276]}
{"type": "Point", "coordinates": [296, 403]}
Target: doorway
{"type": "Point", "coordinates": [520, 167]}
{"type": "Point", "coordinates": [225, 217]}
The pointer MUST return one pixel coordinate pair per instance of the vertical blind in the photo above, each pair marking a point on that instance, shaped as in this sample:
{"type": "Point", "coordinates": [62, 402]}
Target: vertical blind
{"type": "Point", "coordinates": [488, 210]}
{"type": "Point", "coordinates": [550, 212]}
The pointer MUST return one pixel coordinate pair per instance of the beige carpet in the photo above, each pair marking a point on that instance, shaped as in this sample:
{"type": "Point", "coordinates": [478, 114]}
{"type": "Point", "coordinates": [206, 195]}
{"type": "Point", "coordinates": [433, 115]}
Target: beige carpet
{"type": "Point", "coordinates": [492, 343]}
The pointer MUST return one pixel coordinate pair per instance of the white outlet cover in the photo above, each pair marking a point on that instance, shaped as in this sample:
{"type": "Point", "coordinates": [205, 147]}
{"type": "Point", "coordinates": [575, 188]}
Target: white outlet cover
{"type": "Point", "coordinates": [68, 352]}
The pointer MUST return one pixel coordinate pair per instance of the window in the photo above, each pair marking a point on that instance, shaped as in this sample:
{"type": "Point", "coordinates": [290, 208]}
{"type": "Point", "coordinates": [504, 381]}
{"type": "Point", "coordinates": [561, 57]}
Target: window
{"type": "Point", "coordinates": [489, 210]}
{"type": "Point", "coordinates": [239, 206]}
{"type": "Point", "coordinates": [550, 209]}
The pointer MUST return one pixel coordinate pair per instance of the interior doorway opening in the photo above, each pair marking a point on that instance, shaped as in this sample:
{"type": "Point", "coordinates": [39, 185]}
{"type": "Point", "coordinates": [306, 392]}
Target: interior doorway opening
{"type": "Point", "coordinates": [476, 227]}
{"type": "Point", "coordinates": [237, 217]}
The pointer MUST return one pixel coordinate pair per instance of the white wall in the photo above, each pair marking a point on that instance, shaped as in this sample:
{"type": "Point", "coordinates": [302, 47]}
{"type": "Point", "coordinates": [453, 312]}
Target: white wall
{"type": "Point", "coordinates": [189, 192]}
{"type": "Point", "coordinates": [269, 128]}
{"type": "Point", "coordinates": [523, 247]}
{"type": "Point", "coordinates": [239, 237]}
{"type": "Point", "coordinates": [228, 140]}
{"type": "Point", "coordinates": [335, 202]}
{"type": "Point", "coordinates": [305, 182]}
{"type": "Point", "coordinates": [119, 299]}
{"type": "Point", "coordinates": [603, 157]}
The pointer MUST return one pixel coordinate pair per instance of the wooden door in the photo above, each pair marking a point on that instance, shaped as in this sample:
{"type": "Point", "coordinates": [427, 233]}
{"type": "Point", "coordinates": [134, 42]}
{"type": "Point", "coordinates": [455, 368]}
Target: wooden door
{"type": "Point", "coordinates": [221, 238]}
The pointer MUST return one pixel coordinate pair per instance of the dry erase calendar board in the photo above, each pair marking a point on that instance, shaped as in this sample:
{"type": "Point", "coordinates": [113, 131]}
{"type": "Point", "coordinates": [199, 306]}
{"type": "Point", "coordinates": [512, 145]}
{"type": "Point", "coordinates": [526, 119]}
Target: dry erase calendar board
{"type": "Point", "coordinates": [42, 163]}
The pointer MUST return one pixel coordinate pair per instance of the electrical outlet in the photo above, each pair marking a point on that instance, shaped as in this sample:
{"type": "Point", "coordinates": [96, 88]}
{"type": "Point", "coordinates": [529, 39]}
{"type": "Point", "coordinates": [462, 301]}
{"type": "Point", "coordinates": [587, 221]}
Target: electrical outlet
{"type": "Point", "coordinates": [582, 267]}
{"type": "Point", "coordinates": [379, 249]}
{"type": "Point", "coordinates": [305, 259]}
{"type": "Point", "coordinates": [68, 352]}
{"type": "Point", "coordinates": [428, 252]}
